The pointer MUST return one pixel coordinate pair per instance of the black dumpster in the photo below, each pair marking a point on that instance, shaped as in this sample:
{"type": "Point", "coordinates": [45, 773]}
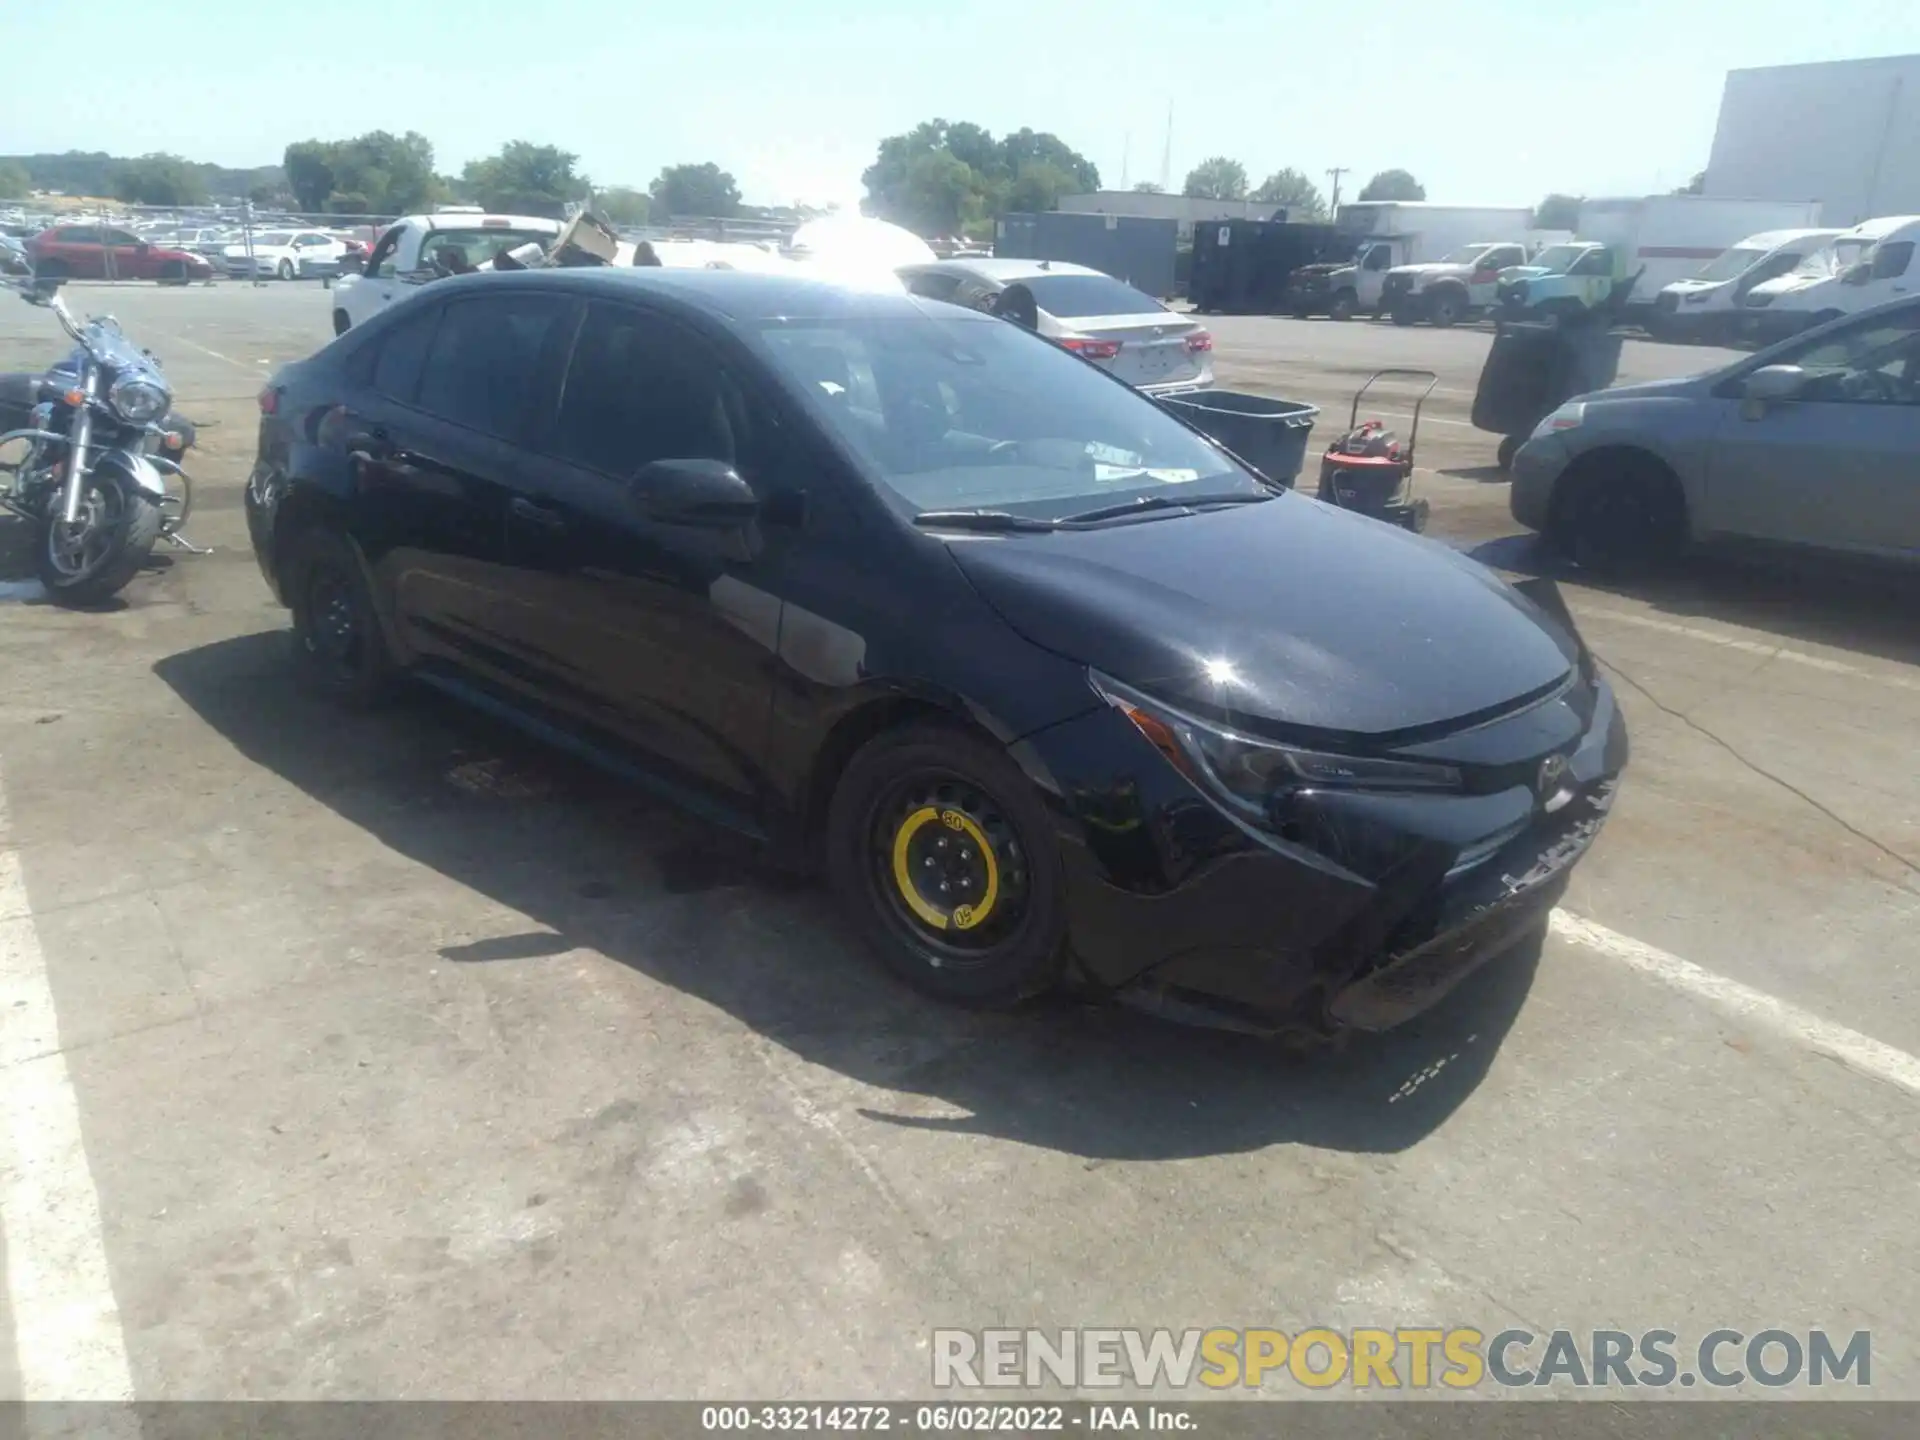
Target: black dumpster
{"type": "Point", "coordinates": [1268, 434]}
{"type": "Point", "coordinates": [1532, 369]}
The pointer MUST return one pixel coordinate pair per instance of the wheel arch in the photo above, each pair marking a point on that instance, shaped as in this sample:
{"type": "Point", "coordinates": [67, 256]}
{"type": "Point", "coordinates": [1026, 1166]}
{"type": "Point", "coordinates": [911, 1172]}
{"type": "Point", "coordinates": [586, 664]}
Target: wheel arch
{"type": "Point", "coordinates": [1617, 457]}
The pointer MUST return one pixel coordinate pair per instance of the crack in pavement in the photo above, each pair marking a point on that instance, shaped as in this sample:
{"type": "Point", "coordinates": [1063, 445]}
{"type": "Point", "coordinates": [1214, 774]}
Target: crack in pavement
{"type": "Point", "coordinates": [1911, 867]}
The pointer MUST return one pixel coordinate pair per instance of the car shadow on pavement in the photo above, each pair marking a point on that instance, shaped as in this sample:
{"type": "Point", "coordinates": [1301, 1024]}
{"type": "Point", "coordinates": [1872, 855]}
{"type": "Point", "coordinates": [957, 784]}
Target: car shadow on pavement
{"type": "Point", "coordinates": [1485, 474]}
{"type": "Point", "coordinates": [1869, 609]}
{"type": "Point", "coordinates": [600, 866]}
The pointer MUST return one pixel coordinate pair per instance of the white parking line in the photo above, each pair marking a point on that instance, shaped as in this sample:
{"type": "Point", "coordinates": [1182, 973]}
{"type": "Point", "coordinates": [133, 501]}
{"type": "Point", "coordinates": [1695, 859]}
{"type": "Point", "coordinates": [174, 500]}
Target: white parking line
{"type": "Point", "coordinates": [66, 1324]}
{"type": "Point", "coordinates": [1747, 647]}
{"type": "Point", "coordinates": [224, 359]}
{"type": "Point", "coordinates": [1857, 1052]}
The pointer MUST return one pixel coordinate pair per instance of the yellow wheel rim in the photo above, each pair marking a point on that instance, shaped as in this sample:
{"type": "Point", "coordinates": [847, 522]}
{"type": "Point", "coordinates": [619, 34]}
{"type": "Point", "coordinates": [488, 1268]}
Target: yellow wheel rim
{"type": "Point", "coordinates": [960, 917]}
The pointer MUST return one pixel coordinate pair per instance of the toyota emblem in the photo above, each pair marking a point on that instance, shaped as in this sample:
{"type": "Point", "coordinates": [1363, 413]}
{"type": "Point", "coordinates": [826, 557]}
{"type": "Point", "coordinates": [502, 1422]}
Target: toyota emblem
{"type": "Point", "coordinates": [1552, 786]}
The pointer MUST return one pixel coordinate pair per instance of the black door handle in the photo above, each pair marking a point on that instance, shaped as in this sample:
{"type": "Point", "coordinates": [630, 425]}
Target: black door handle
{"type": "Point", "coordinates": [547, 517]}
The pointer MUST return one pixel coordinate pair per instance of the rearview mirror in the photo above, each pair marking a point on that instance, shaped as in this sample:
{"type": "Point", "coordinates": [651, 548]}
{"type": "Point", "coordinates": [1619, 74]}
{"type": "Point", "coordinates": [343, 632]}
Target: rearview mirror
{"type": "Point", "coordinates": [705, 494]}
{"type": "Point", "coordinates": [1770, 385]}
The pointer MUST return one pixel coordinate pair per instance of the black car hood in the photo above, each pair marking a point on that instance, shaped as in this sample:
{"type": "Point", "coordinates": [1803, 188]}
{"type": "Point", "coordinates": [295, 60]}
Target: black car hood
{"type": "Point", "coordinates": [1284, 616]}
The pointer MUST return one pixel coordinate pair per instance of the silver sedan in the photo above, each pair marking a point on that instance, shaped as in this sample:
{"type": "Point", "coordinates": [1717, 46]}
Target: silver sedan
{"type": "Point", "coordinates": [1101, 319]}
{"type": "Point", "coordinates": [1813, 443]}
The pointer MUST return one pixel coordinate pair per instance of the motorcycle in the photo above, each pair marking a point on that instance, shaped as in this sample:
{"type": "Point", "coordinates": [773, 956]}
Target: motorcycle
{"type": "Point", "coordinates": [101, 481]}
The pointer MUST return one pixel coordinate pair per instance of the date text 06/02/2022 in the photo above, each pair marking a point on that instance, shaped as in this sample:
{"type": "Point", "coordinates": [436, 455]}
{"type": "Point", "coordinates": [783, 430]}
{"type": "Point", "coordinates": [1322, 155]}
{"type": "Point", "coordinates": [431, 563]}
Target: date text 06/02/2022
{"type": "Point", "coordinates": [948, 1416]}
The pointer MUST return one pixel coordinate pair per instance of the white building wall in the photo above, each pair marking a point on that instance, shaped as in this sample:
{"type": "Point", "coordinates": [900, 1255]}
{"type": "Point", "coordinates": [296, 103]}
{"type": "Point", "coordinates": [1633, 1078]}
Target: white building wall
{"type": "Point", "coordinates": [1843, 132]}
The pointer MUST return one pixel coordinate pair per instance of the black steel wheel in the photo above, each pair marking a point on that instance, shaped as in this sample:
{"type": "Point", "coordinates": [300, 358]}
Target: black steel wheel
{"type": "Point", "coordinates": [941, 853]}
{"type": "Point", "coordinates": [339, 648]}
{"type": "Point", "coordinates": [1446, 310]}
{"type": "Point", "coordinates": [1621, 515]}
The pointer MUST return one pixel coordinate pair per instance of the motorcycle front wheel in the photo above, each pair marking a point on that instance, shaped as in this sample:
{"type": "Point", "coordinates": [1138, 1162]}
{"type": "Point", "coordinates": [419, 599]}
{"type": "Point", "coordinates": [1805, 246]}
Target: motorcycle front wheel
{"type": "Point", "coordinates": [89, 561]}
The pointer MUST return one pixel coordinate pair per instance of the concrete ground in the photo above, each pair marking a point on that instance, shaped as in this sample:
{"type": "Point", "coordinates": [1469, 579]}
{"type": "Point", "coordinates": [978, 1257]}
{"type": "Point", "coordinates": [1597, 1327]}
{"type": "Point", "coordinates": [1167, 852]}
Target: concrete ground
{"type": "Point", "coordinates": [394, 1057]}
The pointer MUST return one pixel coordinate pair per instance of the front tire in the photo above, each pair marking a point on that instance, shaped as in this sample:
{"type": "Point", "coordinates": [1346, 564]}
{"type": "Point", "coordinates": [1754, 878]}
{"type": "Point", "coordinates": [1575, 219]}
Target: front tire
{"type": "Point", "coordinates": [1344, 304]}
{"type": "Point", "coordinates": [1402, 315]}
{"type": "Point", "coordinates": [339, 647]}
{"type": "Point", "coordinates": [1621, 516]}
{"type": "Point", "coordinates": [285, 270]}
{"type": "Point", "coordinates": [1445, 311]}
{"type": "Point", "coordinates": [942, 856]}
{"type": "Point", "coordinates": [89, 562]}
{"type": "Point", "coordinates": [1509, 447]}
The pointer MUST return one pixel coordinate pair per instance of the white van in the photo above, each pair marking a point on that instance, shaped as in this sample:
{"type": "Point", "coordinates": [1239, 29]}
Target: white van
{"type": "Point", "coordinates": [1865, 266]}
{"type": "Point", "coordinates": [1706, 308]}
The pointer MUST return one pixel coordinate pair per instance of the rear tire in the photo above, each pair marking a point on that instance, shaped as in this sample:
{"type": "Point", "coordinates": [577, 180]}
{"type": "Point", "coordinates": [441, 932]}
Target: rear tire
{"type": "Point", "coordinates": [931, 805]}
{"type": "Point", "coordinates": [1344, 304]}
{"type": "Point", "coordinates": [1624, 515]}
{"type": "Point", "coordinates": [339, 647]}
{"type": "Point", "coordinates": [285, 270]}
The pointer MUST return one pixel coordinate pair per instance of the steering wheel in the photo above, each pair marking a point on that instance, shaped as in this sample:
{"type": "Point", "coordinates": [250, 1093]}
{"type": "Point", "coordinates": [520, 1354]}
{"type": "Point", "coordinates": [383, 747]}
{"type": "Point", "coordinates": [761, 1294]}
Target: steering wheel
{"type": "Point", "coordinates": [1871, 385]}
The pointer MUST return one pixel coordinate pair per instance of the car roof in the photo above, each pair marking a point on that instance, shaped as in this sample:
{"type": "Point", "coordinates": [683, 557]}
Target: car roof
{"type": "Point", "coordinates": [1005, 271]}
{"type": "Point", "coordinates": [470, 219]}
{"type": "Point", "coordinates": [1880, 229]}
{"type": "Point", "coordinates": [1774, 239]}
{"type": "Point", "coordinates": [735, 297]}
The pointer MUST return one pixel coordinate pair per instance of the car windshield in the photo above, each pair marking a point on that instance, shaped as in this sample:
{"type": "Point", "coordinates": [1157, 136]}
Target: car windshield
{"type": "Point", "coordinates": [1558, 259]}
{"type": "Point", "coordinates": [1073, 296]}
{"type": "Point", "coordinates": [974, 414]}
{"type": "Point", "coordinates": [1831, 260]}
{"type": "Point", "coordinates": [274, 237]}
{"type": "Point", "coordinates": [1731, 265]}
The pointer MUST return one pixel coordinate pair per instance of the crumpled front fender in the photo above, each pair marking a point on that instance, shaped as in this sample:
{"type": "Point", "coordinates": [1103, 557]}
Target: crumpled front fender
{"type": "Point", "coordinates": [144, 474]}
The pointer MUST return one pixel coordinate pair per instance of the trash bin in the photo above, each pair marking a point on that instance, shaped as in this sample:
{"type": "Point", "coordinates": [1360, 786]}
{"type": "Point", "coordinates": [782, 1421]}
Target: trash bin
{"type": "Point", "coordinates": [1534, 368]}
{"type": "Point", "coordinates": [1270, 435]}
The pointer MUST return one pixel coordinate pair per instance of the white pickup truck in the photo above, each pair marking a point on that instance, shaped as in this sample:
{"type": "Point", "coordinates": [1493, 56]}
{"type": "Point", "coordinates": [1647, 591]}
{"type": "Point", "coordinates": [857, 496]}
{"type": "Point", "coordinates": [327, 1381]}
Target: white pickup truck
{"type": "Point", "coordinates": [404, 257]}
{"type": "Point", "coordinates": [1456, 287]}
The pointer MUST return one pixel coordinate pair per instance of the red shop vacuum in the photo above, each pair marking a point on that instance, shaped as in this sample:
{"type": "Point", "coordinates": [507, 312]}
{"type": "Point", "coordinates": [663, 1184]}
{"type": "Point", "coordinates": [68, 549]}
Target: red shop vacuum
{"type": "Point", "coordinates": [1369, 469]}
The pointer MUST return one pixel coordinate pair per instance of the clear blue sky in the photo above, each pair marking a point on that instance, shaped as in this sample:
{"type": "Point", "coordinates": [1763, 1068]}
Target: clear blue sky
{"type": "Point", "coordinates": [1493, 102]}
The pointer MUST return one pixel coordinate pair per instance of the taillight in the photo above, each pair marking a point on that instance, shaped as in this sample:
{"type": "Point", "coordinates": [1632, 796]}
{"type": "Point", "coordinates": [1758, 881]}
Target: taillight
{"type": "Point", "coordinates": [269, 401]}
{"type": "Point", "coordinates": [1091, 349]}
{"type": "Point", "coordinates": [1198, 341]}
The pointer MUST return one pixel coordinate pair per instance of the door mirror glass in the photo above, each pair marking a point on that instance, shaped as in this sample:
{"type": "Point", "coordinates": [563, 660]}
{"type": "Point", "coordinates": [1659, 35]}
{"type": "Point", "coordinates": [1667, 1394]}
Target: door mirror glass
{"type": "Point", "coordinates": [1771, 384]}
{"type": "Point", "coordinates": [707, 494]}
{"type": "Point", "coordinates": [1857, 274]}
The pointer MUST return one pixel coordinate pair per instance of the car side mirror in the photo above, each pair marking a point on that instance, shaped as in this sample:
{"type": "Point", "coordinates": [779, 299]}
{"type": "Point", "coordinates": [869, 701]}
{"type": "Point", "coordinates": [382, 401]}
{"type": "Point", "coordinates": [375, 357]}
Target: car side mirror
{"type": "Point", "coordinates": [1857, 274]}
{"type": "Point", "coordinates": [701, 494]}
{"type": "Point", "coordinates": [1770, 385]}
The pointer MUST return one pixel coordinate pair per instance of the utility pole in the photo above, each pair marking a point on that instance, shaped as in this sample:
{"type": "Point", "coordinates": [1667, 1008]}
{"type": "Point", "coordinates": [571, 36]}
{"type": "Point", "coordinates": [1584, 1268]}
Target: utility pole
{"type": "Point", "coordinates": [1166, 155]}
{"type": "Point", "coordinates": [1126, 154]}
{"type": "Point", "coordinates": [1333, 205]}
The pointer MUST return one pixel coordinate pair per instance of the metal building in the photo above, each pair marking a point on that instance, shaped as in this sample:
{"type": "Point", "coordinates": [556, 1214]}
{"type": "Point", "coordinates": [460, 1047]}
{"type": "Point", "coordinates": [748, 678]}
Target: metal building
{"type": "Point", "coordinates": [1843, 132]}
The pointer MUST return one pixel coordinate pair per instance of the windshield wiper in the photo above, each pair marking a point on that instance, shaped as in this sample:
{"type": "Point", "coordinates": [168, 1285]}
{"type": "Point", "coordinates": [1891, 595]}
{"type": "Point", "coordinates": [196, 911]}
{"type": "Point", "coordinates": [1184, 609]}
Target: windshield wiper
{"type": "Point", "coordinates": [1161, 502]}
{"type": "Point", "coordinates": [981, 520]}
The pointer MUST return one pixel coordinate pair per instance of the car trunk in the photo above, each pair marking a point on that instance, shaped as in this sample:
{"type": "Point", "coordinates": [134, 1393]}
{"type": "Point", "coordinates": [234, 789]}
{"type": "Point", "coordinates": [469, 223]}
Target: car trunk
{"type": "Point", "coordinates": [1153, 345]}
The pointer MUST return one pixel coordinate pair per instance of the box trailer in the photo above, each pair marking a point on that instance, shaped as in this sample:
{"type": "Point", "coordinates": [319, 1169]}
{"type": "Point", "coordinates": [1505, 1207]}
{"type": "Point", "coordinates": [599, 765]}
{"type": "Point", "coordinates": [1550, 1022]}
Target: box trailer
{"type": "Point", "coordinates": [1243, 267]}
{"type": "Point", "coordinates": [1138, 249]}
{"type": "Point", "coordinates": [1664, 238]}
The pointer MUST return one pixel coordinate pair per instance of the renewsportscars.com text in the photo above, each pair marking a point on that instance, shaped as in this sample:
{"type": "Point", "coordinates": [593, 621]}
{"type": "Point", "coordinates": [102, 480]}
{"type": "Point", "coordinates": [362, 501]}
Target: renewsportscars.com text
{"type": "Point", "coordinates": [1460, 1358]}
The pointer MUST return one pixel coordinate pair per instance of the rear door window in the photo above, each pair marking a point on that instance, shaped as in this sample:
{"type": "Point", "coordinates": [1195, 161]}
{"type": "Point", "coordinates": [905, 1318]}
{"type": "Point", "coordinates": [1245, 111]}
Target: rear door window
{"type": "Point", "coordinates": [488, 360]}
{"type": "Point", "coordinates": [399, 357]}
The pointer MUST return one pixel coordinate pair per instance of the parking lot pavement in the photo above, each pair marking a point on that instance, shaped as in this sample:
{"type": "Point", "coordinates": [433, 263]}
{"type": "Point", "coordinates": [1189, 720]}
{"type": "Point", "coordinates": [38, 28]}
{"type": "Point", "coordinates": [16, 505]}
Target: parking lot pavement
{"type": "Point", "coordinates": [389, 1056]}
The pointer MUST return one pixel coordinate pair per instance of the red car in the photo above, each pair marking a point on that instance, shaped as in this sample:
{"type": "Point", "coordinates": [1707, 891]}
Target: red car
{"type": "Point", "coordinates": [103, 252]}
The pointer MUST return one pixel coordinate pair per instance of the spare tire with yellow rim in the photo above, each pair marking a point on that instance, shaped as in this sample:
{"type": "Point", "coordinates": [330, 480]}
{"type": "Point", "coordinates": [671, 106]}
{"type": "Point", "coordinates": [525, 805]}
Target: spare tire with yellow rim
{"type": "Point", "coordinates": [942, 853]}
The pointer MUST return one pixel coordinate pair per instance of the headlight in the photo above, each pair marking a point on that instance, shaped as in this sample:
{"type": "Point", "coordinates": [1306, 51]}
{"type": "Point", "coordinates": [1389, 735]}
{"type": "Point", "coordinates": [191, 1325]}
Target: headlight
{"type": "Point", "coordinates": [1245, 774]}
{"type": "Point", "coordinates": [1568, 417]}
{"type": "Point", "coordinates": [1759, 299]}
{"type": "Point", "coordinates": [1698, 297]}
{"type": "Point", "coordinates": [138, 401]}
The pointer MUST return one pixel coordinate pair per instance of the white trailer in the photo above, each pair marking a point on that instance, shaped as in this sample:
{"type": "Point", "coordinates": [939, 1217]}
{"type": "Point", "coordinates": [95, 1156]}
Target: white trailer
{"type": "Point", "coordinates": [1405, 232]}
{"type": "Point", "coordinates": [1670, 237]}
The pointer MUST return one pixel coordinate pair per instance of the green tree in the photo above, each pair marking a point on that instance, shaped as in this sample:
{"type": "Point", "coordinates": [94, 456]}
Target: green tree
{"type": "Point", "coordinates": [526, 179]}
{"type": "Point", "coordinates": [1147, 187]}
{"type": "Point", "coordinates": [1557, 212]}
{"type": "Point", "coordinates": [623, 205]}
{"type": "Point", "coordinates": [942, 177]}
{"type": "Point", "coordinates": [1217, 178]}
{"type": "Point", "coordinates": [265, 193]}
{"type": "Point", "coordinates": [1393, 185]}
{"type": "Point", "coordinates": [309, 167]}
{"type": "Point", "coordinates": [1294, 190]}
{"type": "Point", "coordinates": [159, 180]}
{"type": "Point", "coordinates": [15, 182]}
{"type": "Point", "coordinates": [349, 202]}
{"type": "Point", "coordinates": [703, 189]}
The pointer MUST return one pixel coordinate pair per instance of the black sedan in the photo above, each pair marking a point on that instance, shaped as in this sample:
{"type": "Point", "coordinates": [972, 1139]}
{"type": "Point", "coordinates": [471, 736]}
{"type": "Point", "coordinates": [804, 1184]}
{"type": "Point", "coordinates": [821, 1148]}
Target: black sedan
{"type": "Point", "coordinates": [1050, 685]}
